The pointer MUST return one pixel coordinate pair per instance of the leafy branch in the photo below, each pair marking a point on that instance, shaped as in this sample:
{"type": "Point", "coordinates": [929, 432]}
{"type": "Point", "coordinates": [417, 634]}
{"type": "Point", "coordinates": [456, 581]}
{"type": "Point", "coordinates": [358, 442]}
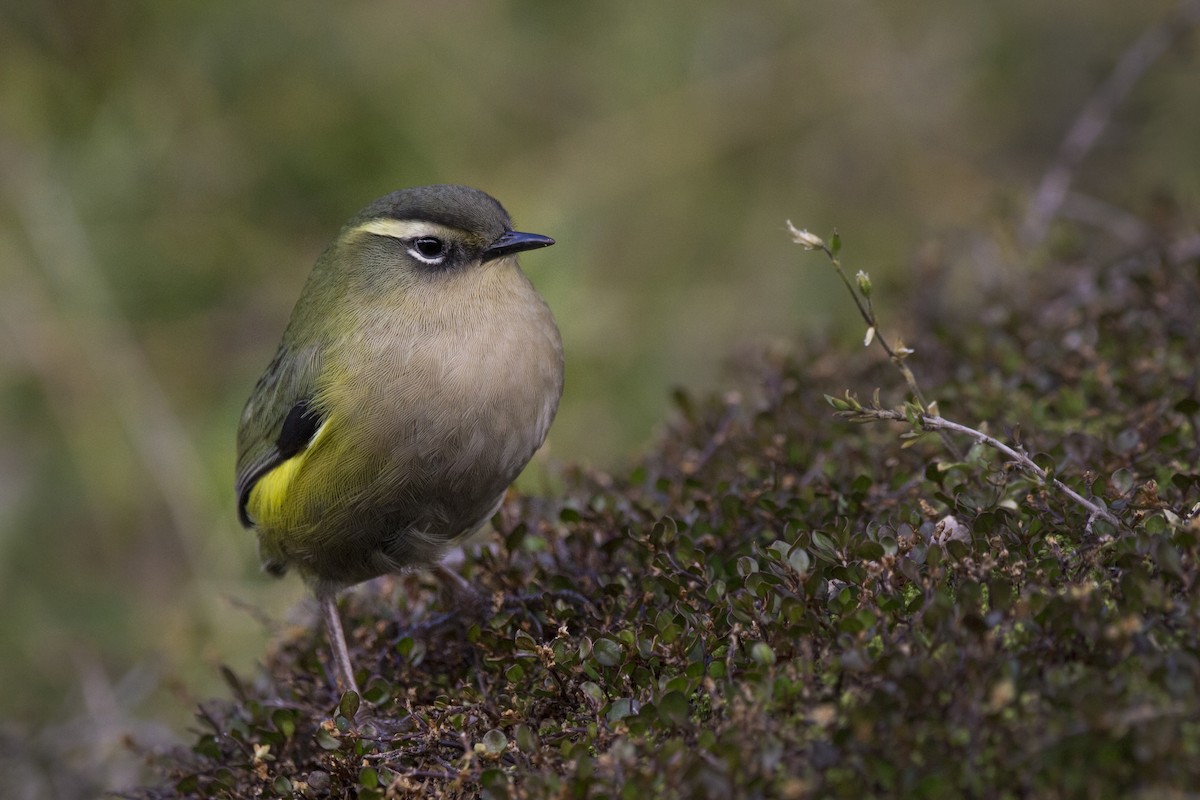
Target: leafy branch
{"type": "Point", "coordinates": [850, 408]}
{"type": "Point", "coordinates": [860, 291]}
{"type": "Point", "coordinates": [918, 413]}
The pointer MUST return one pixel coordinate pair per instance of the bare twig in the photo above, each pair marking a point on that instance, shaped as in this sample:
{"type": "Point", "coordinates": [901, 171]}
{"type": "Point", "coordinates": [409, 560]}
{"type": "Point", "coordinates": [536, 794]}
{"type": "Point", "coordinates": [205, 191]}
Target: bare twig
{"type": "Point", "coordinates": [1127, 228]}
{"type": "Point", "coordinates": [861, 293]}
{"type": "Point", "coordinates": [1083, 134]}
{"type": "Point", "coordinates": [932, 422]}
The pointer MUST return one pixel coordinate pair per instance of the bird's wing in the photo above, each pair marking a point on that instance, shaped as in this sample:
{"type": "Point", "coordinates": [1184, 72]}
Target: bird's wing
{"type": "Point", "coordinates": [279, 421]}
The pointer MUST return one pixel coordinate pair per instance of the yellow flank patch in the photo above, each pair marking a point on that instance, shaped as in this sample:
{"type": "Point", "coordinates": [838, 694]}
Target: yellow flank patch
{"type": "Point", "coordinates": [269, 499]}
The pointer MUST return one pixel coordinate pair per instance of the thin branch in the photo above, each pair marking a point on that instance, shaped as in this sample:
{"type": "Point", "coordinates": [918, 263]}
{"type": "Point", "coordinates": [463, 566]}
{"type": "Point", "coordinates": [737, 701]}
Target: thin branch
{"type": "Point", "coordinates": [1083, 134]}
{"type": "Point", "coordinates": [1126, 227]}
{"type": "Point", "coordinates": [932, 422]}
{"type": "Point", "coordinates": [861, 295]}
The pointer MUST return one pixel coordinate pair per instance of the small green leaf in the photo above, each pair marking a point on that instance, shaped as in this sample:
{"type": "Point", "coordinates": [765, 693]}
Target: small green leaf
{"type": "Point", "coordinates": [495, 742]}
{"type": "Point", "coordinates": [799, 560]}
{"type": "Point", "coordinates": [378, 691]}
{"type": "Point", "coordinates": [1045, 461]}
{"type": "Point", "coordinates": [864, 284]}
{"type": "Point", "coordinates": [778, 549]}
{"type": "Point", "coordinates": [1121, 483]}
{"type": "Point", "coordinates": [762, 654]}
{"type": "Point", "coordinates": [822, 543]}
{"type": "Point", "coordinates": [1168, 560]}
{"type": "Point", "coordinates": [869, 551]}
{"type": "Point", "coordinates": [526, 739]}
{"type": "Point", "coordinates": [494, 781]}
{"type": "Point", "coordinates": [607, 652]}
{"type": "Point", "coordinates": [621, 708]}
{"type": "Point", "coordinates": [284, 721]}
{"type": "Point", "coordinates": [673, 709]}
{"type": "Point", "coordinates": [349, 704]}
{"type": "Point", "coordinates": [593, 692]}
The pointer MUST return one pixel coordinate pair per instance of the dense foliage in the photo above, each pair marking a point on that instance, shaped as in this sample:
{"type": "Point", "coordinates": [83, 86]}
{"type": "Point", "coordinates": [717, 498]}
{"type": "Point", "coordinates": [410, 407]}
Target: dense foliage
{"type": "Point", "coordinates": [781, 604]}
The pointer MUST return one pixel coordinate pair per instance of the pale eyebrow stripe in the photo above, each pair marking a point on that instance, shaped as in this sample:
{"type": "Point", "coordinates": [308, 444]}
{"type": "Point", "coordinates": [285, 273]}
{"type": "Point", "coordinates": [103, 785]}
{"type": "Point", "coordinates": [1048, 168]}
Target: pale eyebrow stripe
{"type": "Point", "coordinates": [404, 228]}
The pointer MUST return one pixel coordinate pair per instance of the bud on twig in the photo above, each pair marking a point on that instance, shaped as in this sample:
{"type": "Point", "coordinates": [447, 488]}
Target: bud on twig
{"type": "Point", "coordinates": [864, 283]}
{"type": "Point", "coordinates": [809, 241]}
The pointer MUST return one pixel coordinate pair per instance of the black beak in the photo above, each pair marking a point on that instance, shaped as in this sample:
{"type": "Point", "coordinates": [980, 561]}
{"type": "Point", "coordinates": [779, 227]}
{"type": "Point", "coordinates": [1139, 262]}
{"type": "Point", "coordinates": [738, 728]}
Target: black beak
{"type": "Point", "coordinates": [514, 242]}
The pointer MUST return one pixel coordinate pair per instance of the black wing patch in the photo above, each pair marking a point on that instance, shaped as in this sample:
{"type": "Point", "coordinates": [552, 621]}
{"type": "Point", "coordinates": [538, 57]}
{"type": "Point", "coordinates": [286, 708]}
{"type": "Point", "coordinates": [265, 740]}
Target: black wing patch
{"type": "Point", "coordinates": [299, 428]}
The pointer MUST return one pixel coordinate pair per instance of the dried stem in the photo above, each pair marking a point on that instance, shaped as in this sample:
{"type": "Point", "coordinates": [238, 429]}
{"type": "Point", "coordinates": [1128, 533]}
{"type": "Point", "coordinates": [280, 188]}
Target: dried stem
{"type": "Point", "coordinates": [862, 300]}
{"type": "Point", "coordinates": [1096, 114]}
{"type": "Point", "coordinates": [921, 413]}
{"type": "Point", "coordinates": [932, 422]}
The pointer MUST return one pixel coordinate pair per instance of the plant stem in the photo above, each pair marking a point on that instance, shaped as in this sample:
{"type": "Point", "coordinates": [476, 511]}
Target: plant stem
{"type": "Point", "coordinates": [933, 422]}
{"type": "Point", "coordinates": [897, 354]}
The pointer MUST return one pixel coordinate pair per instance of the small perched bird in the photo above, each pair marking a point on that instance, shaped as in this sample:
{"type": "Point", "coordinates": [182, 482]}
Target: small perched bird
{"type": "Point", "coordinates": [418, 375]}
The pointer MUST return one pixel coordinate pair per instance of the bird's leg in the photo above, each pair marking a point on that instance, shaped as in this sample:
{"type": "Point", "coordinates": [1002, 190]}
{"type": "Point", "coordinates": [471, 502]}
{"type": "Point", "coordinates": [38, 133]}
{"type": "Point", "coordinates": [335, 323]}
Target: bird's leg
{"type": "Point", "coordinates": [465, 597]}
{"type": "Point", "coordinates": [343, 671]}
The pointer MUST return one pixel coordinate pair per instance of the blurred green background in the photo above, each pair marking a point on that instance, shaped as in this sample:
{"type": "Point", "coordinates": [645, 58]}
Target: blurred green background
{"type": "Point", "coordinates": [170, 171]}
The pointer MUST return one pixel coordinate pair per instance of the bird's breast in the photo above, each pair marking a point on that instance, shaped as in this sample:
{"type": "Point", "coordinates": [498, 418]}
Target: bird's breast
{"type": "Point", "coordinates": [449, 401]}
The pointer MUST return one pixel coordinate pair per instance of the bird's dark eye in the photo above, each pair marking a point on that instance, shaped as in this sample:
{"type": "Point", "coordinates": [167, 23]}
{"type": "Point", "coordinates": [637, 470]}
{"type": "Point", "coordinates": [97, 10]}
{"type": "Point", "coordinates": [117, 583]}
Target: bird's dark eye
{"type": "Point", "coordinates": [429, 248]}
